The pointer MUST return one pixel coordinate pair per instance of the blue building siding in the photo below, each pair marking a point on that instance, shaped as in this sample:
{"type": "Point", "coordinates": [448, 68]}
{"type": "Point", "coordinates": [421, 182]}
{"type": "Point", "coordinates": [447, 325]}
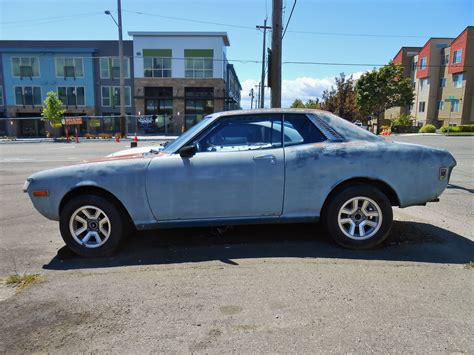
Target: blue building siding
{"type": "Point", "coordinates": [47, 79]}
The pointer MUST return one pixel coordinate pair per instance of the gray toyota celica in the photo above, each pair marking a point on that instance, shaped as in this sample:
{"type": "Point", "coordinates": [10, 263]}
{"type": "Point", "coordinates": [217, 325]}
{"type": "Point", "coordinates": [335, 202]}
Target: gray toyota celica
{"type": "Point", "coordinates": [243, 167]}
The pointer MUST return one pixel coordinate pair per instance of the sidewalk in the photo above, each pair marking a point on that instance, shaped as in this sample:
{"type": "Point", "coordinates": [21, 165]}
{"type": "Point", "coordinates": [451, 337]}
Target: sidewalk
{"type": "Point", "coordinates": [82, 139]}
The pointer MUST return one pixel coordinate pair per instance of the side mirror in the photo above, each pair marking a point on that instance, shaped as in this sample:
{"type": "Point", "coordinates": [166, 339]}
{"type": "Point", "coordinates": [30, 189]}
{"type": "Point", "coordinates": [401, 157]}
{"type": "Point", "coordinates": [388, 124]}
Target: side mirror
{"type": "Point", "coordinates": [188, 151]}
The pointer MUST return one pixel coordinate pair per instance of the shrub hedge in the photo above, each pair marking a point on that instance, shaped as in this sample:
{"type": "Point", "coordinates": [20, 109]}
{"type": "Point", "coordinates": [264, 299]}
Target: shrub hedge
{"type": "Point", "coordinates": [427, 128]}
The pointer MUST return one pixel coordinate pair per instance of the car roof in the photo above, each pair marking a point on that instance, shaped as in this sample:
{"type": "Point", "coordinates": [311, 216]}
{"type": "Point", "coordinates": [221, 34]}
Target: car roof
{"type": "Point", "coordinates": [267, 110]}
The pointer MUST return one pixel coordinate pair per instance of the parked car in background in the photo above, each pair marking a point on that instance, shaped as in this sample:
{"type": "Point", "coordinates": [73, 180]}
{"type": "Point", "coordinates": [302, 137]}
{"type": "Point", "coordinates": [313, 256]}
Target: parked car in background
{"type": "Point", "coordinates": [241, 167]}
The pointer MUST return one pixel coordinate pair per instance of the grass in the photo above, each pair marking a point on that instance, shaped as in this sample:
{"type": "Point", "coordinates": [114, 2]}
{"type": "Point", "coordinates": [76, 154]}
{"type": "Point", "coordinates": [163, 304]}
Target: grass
{"type": "Point", "coordinates": [22, 281]}
{"type": "Point", "coordinates": [470, 265]}
{"type": "Point", "coordinates": [460, 133]}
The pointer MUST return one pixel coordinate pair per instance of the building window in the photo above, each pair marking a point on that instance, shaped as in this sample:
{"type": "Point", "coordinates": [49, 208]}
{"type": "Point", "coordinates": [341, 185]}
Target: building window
{"type": "Point", "coordinates": [457, 56]}
{"type": "Point", "coordinates": [1, 96]}
{"type": "Point", "coordinates": [157, 67]}
{"type": "Point", "coordinates": [25, 67]}
{"type": "Point", "coordinates": [111, 96]}
{"type": "Point", "coordinates": [69, 67]}
{"type": "Point", "coordinates": [199, 103]}
{"type": "Point", "coordinates": [455, 106]}
{"type": "Point", "coordinates": [457, 80]}
{"type": "Point", "coordinates": [424, 83]}
{"type": "Point", "coordinates": [27, 95]}
{"type": "Point", "coordinates": [442, 82]}
{"type": "Point", "coordinates": [440, 105]}
{"type": "Point", "coordinates": [72, 95]}
{"type": "Point", "coordinates": [198, 63]}
{"type": "Point", "coordinates": [413, 66]}
{"type": "Point", "coordinates": [110, 68]}
{"type": "Point", "coordinates": [445, 59]}
{"type": "Point", "coordinates": [423, 63]}
{"type": "Point", "coordinates": [421, 106]}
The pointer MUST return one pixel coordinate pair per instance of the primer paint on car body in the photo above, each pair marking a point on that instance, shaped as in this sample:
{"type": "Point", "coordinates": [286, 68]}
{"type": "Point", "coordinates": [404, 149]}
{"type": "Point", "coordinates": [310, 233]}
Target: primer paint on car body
{"type": "Point", "coordinates": [228, 187]}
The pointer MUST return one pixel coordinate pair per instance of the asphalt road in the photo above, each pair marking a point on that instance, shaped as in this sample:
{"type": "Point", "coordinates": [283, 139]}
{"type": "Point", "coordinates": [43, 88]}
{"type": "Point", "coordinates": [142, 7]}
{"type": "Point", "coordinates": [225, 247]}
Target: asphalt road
{"type": "Point", "coordinates": [273, 288]}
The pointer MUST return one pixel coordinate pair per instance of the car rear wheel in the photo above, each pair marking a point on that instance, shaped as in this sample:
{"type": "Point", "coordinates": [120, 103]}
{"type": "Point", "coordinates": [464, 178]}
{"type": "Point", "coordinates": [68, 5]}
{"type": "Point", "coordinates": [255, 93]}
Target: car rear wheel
{"type": "Point", "coordinates": [359, 217]}
{"type": "Point", "coordinates": [92, 226]}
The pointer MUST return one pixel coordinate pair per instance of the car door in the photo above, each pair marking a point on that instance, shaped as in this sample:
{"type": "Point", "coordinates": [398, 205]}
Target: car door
{"type": "Point", "coordinates": [237, 172]}
{"type": "Point", "coordinates": [306, 172]}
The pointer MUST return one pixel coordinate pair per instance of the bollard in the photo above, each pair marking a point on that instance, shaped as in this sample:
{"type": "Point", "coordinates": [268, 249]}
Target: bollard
{"type": "Point", "coordinates": [77, 137]}
{"type": "Point", "coordinates": [67, 135]}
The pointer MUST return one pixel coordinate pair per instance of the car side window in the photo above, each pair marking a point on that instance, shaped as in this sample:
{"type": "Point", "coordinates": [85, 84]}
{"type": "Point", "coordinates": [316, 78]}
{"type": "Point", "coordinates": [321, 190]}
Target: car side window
{"type": "Point", "coordinates": [238, 133]}
{"type": "Point", "coordinates": [298, 129]}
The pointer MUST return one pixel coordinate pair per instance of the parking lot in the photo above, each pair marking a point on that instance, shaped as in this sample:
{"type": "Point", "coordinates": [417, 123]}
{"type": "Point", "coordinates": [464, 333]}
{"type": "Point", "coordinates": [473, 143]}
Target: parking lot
{"type": "Point", "coordinates": [268, 288]}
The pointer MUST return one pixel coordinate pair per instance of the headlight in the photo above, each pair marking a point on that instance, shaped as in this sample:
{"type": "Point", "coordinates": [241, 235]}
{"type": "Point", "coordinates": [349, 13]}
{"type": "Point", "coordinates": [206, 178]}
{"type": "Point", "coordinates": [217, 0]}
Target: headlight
{"type": "Point", "coordinates": [26, 185]}
{"type": "Point", "coordinates": [443, 173]}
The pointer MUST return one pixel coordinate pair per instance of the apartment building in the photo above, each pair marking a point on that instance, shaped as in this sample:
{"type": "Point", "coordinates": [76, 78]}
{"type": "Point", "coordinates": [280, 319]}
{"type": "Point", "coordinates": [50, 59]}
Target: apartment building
{"type": "Point", "coordinates": [180, 77]}
{"type": "Point", "coordinates": [442, 72]}
{"type": "Point", "coordinates": [161, 96]}
{"type": "Point", "coordinates": [406, 58]}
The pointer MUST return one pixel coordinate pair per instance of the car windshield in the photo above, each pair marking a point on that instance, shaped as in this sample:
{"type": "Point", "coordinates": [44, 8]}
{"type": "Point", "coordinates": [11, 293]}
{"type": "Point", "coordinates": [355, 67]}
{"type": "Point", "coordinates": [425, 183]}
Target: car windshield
{"type": "Point", "coordinates": [186, 136]}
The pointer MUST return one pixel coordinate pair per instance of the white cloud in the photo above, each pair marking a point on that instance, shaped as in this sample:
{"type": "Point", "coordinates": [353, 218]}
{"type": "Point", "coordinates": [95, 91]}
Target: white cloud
{"type": "Point", "coordinates": [303, 88]}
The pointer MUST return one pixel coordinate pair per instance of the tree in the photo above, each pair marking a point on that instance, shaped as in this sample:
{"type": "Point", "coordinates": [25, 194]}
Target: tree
{"type": "Point", "coordinates": [297, 104]}
{"type": "Point", "coordinates": [341, 99]}
{"type": "Point", "coordinates": [52, 109]}
{"type": "Point", "coordinates": [381, 89]}
{"type": "Point", "coordinates": [314, 104]}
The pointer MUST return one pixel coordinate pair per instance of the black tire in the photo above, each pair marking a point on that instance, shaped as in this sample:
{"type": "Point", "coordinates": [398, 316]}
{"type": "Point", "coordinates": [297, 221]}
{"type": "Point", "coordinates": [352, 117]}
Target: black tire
{"type": "Point", "coordinates": [346, 198]}
{"type": "Point", "coordinates": [117, 226]}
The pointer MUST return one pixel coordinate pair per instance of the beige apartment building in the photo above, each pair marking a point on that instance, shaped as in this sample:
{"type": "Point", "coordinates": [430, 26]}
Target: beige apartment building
{"type": "Point", "coordinates": [442, 72]}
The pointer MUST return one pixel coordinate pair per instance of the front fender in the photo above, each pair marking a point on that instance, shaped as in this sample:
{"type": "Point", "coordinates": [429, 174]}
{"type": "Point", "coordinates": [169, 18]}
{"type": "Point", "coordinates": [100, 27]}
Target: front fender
{"type": "Point", "coordinates": [123, 179]}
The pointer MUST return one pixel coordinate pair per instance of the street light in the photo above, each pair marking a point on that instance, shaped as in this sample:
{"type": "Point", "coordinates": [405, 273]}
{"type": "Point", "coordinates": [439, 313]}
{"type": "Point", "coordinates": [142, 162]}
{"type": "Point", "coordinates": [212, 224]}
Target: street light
{"type": "Point", "coordinates": [123, 128]}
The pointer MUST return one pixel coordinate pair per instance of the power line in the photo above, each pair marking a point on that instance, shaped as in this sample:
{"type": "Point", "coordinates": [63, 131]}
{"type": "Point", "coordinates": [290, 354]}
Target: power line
{"type": "Point", "coordinates": [356, 34]}
{"type": "Point", "coordinates": [289, 18]}
{"type": "Point", "coordinates": [45, 21]}
{"type": "Point", "coordinates": [191, 20]}
{"type": "Point", "coordinates": [292, 31]}
{"type": "Point", "coordinates": [368, 64]}
{"type": "Point", "coordinates": [48, 18]}
{"type": "Point", "coordinates": [254, 61]}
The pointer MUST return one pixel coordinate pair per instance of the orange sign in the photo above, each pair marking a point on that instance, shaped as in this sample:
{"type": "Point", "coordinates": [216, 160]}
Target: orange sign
{"type": "Point", "coordinates": [72, 120]}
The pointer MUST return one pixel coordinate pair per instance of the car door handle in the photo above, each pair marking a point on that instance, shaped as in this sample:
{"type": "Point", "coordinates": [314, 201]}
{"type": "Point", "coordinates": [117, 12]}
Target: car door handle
{"type": "Point", "coordinates": [270, 157]}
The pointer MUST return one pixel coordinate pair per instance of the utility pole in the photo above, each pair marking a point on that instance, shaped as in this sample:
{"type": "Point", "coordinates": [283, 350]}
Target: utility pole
{"type": "Point", "coordinates": [262, 82]}
{"type": "Point", "coordinates": [123, 122]}
{"type": "Point", "coordinates": [257, 88]}
{"type": "Point", "coordinates": [252, 95]}
{"type": "Point", "coordinates": [276, 52]}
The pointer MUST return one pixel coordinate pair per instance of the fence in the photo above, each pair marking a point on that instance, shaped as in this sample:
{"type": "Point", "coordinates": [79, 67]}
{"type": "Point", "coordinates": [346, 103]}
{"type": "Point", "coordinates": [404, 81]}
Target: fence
{"type": "Point", "coordinates": [90, 126]}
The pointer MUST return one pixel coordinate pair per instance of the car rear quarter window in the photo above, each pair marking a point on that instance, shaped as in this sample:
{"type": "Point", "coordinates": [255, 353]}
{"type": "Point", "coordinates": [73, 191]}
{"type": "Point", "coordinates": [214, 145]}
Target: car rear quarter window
{"type": "Point", "coordinates": [298, 129]}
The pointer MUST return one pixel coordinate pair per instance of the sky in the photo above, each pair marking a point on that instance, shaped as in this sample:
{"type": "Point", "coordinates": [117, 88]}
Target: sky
{"type": "Point", "coordinates": [366, 32]}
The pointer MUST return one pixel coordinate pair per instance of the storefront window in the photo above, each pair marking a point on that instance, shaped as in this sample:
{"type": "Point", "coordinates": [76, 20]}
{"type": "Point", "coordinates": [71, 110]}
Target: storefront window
{"type": "Point", "coordinates": [199, 103]}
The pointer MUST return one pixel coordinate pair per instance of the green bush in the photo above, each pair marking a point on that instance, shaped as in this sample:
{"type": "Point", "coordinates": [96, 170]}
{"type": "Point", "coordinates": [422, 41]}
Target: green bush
{"type": "Point", "coordinates": [427, 128]}
{"type": "Point", "coordinates": [403, 120]}
{"type": "Point", "coordinates": [453, 129]}
{"type": "Point", "coordinates": [466, 128]}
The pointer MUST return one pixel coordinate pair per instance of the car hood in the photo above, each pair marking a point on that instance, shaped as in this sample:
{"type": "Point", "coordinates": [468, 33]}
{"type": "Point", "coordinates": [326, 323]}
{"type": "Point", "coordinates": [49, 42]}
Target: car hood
{"type": "Point", "coordinates": [137, 150]}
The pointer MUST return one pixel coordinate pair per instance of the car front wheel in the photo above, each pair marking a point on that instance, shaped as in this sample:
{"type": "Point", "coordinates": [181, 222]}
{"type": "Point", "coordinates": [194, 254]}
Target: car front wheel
{"type": "Point", "coordinates": [359, 217]}
{"type": "Point", "coordinates": [91, 226]}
